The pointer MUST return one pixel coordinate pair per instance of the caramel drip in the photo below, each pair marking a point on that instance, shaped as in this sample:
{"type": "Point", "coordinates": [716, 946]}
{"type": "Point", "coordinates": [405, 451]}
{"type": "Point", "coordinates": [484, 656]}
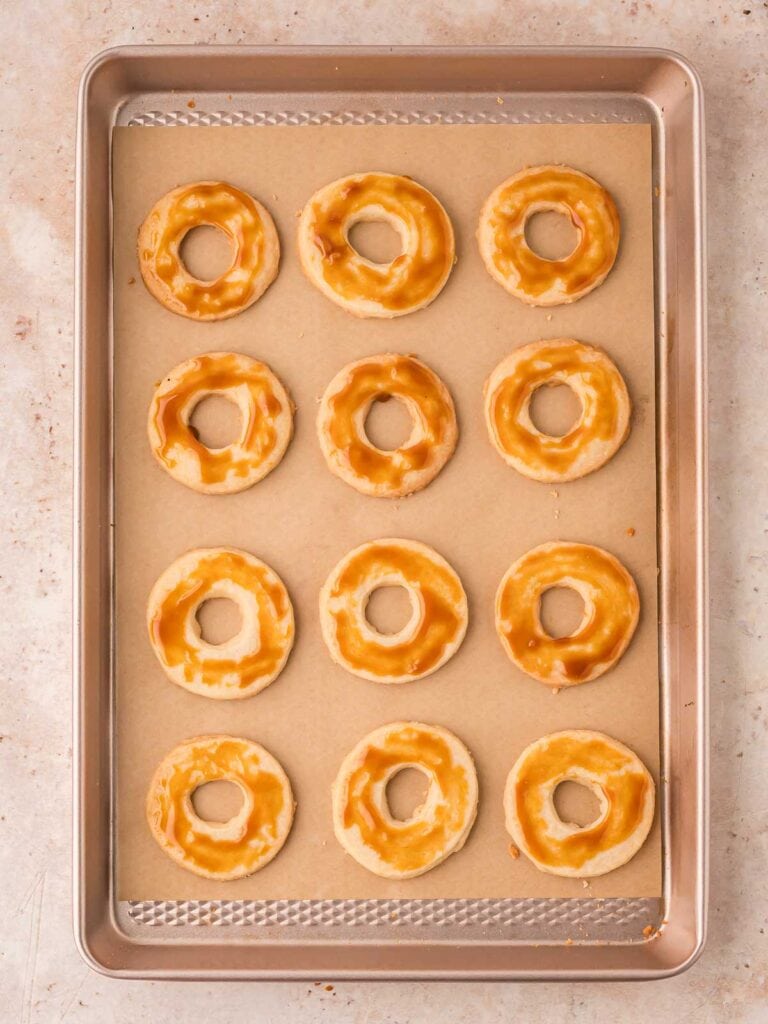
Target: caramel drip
{"type": "Point", "coordinates": [400, 377]}
{"type": "Point", "coordinates": [599, 422]}
{"type": "Point", "coordinates": [624, 786]}
{"type": "Point", "coordinates": [441, 595]}
{"type": "Point", "coordinates": [592, 212]}
{"type": "Point", "coordinates": [168, 625]}
{"type": "Point", "coordinates": [597, 642]}
{"type": "Point", "coordinates": [218, 205]}
{"type": "Point", "coordinates": [211, 374]}
{"type": "Point", "coordinates": [412, 277]}
{"type": "Point", "coordinates": [408, 845]}
{"type": "Point", "coordinates": [210, 761]}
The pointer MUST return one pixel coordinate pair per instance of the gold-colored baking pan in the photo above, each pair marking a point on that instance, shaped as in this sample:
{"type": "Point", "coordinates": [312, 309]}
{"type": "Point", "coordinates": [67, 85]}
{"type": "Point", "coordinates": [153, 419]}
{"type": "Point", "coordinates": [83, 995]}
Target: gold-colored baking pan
{"type": "Point", "coordinates": [445, 939]}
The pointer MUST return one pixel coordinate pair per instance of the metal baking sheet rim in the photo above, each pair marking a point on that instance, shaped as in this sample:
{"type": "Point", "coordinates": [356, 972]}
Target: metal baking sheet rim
{"type": "Point", "coordinates": [114, 938]}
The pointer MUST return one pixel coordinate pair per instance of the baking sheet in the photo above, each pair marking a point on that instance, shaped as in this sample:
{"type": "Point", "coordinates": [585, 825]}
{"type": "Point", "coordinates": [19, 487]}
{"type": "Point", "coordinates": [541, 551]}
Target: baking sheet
{"type": "Point", "coordinates": [478, 513]}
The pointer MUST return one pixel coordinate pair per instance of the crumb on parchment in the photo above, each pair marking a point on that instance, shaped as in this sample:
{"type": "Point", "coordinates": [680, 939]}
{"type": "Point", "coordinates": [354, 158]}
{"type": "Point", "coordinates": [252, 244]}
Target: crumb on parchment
{"type": "Point", "coordinates": [555, 690]}
{"type": "Point", "coordinates": [631, 531]}
{"type": "Point", "coordinates": [513, 851]}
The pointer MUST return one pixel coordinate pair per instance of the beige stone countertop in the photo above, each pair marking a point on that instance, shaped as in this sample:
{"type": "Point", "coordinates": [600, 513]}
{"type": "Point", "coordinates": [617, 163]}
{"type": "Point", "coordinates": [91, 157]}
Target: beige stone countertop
{"type": "Point", "coordinates": [43, 48]}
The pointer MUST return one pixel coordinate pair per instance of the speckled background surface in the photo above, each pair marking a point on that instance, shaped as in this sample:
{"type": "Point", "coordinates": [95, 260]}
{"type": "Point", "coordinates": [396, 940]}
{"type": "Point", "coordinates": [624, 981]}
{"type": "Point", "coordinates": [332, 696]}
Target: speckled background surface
{"type": "Point", "coordinates": [43, 47]}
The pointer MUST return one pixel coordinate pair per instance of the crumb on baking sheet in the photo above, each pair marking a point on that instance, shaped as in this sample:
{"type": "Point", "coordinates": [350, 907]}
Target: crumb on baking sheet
{"type": "Point", "coordinates": [513, 851]}
{"type": "Point", "coordinates": [131, 280]}
{"type": "Point", "coordinates": [191, 104]}
{"type": "Point", "coordinates": [555, 494]}
{"type": "Point", "coordinates": [569, 942]}
{"type": "Point", "coordinates": [500, 101]}
{"type": "Point", "coordinates": [631, 531]}
{"type": "Point", "coordinates": [555, 690]}
{"type": "Point", "coordinates": [649, 931]}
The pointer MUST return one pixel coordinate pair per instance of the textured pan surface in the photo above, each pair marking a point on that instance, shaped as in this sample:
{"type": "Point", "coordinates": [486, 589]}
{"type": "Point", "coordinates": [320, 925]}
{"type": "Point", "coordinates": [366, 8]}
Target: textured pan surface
{"type": "Point", "coordinates": [413, 938]}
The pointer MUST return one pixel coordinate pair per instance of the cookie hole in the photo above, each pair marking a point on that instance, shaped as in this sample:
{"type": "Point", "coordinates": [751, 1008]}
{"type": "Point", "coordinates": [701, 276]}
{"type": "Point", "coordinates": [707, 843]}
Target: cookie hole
{"type": "Point", "coordinates": [207, 252]}
{"type": "Point", "coordinates": [555, 409]}
{"type": "Point", "coordinates": [216, 421]}
{"type": "Point", "coordinates": [219, 619]}
{"type": "Point", "coordinates": [406, 792]}
{"type": "Point", "coordinates": [375, 240]}
{"type": "Point", "coordinates": [389, 609]}
{"type": "Point", "coordinates": [217, 801]}
{"type": "Point", "coordinates": [389, 423]}
{"type": "Point", "coordinates": [551, 235]}
{"type": "Point", "coordinates": [576, 804]}
{"type": "Point", "coordinates": [561, 611]}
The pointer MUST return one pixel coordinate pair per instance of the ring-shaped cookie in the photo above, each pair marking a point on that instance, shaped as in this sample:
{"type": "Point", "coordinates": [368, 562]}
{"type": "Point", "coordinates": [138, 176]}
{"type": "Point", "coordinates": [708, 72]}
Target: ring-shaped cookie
{"type": "Point", "coordinates": [248, 661]}
{"type": "Point", "coordinates": [229, 849]}
{"type": "Point", "coordinates": [362, 820]}
{"type": "Point", "coordinates": [266, 422]}
{"type": "Point", "coordinates": [612, 772]}
{"type": "Point", "coordinates": [434, 631]}
{"type": "Point", "coordinates": [611, 612]}
{"type": "Point", "coordinates": [598, 433]}
{"type": "Point", "coordinates": [341, 425]}
{"type": "Point", "coordinates": [244, 221]}
{"type": "Point", "coordinates": [408, 282]}
{"type": "Point", "coordinates": [510, 260]}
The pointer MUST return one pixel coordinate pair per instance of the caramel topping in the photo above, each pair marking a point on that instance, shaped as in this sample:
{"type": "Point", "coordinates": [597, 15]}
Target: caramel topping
{"type": "Point", "coordinates": [599, 430]}
{"type": "Point", "coordinates": [624, 782]}
{"type": "Point", "coordinates": [611, 611]}
{"type": "Point", "coordinates": [412, 844]}
{"type": "Point", "coordinates": [438, 630]}
{"type": "Point", "coordinates": [412, 278]}
{"type": "Point", "coordinates": [378, 379]}
{"type": "Point", "coordinates": [240, 845]}
{"type": "Point", "coordinates": [203, 376]}
{"type": "Point", "coordinates": [592, 212]}
{"type": "Point", "coordinates": [242, 220]}
{"type": "Point", "coordinates": [168, 626]}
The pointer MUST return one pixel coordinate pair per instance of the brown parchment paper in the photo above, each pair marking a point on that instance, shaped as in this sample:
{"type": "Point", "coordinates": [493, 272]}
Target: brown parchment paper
{"type": "Point", "coordinates": [478, 513]}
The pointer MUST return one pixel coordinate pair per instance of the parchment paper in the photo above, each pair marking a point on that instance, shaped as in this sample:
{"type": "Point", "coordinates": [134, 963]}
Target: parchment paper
{"type": "Point", "coordinates": [480, 514]}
